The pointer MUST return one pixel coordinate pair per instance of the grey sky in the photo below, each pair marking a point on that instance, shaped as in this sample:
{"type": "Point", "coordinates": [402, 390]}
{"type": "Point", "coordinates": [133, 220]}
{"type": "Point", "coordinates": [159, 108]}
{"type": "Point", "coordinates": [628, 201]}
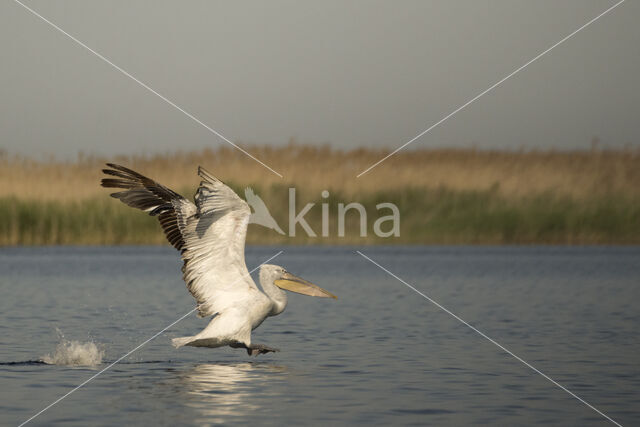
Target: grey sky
{"type": "Point", "coordinates": [346, 73]}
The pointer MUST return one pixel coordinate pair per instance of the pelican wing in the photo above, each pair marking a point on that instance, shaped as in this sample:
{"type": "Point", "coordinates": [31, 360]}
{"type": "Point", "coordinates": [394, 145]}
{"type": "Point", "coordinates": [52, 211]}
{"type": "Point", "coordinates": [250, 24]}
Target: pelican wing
{"type": "Point", "coordinates": [144, 193]}
{"type": "Point", "coordinates": [210, 234]}
{"type": "Point", "coordinates": [214, 268]}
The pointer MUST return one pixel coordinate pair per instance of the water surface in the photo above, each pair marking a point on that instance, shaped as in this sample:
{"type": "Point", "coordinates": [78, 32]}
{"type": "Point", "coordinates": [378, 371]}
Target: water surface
{"type": "Point", "coordinates": [381, 354]}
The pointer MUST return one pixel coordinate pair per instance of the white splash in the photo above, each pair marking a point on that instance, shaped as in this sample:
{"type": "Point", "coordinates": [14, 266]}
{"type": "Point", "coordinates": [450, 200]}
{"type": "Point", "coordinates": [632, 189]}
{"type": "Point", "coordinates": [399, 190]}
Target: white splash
{"type": "Point", "coordinates": [74, 353]}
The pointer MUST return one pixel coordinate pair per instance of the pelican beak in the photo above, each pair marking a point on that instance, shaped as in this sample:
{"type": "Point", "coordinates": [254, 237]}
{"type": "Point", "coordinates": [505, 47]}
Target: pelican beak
{"type": "Point", "coordinates": [292, 283]}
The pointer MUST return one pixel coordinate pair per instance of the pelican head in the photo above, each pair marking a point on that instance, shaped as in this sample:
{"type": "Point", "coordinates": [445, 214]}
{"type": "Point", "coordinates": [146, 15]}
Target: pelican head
{"type": "Point", "coordinates": [274, 274]}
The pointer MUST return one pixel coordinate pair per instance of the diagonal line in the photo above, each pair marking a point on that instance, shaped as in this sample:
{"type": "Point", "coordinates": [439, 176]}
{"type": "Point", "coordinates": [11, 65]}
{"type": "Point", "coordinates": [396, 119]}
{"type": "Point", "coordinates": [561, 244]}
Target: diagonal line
{"type": "Point", "coordinates": [500, 346]}
{"type": "Point", "coordinates": [128, 353]}
{"type": "Point", "coordinates": [108, 367]}
{"type": "Point", "coordinates": [167, 100]}
{"type": "Point", "coordinates": [498, 83]}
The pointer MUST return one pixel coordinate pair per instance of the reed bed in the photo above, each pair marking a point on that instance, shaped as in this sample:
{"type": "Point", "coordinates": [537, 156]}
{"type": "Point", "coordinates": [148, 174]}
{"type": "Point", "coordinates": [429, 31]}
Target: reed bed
{"type": "Point", "coordinates": [444, 196]}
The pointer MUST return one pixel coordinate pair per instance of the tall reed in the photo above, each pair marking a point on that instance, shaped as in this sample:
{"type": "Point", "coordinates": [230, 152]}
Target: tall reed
{"type": "Point", "coordinates": [444, 196]}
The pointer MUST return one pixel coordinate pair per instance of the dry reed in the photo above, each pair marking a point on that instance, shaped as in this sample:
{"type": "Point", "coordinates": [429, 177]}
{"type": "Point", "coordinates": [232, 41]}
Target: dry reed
{"type": "Point", "coordinates": [575, 185]}
{"type": "Point", "coordinates": [568, 173]}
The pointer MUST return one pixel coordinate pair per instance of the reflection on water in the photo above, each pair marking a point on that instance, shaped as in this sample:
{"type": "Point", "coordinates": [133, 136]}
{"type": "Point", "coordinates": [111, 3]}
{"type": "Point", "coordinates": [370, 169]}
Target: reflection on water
{"type": "Point", "coordinates": [219, 391]}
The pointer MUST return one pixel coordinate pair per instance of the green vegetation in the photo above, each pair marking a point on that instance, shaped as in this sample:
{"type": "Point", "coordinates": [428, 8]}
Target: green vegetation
{"type": "Point", "coordinates": [428, 216]}
{"type": "Point", "coordinates": [444, 196]}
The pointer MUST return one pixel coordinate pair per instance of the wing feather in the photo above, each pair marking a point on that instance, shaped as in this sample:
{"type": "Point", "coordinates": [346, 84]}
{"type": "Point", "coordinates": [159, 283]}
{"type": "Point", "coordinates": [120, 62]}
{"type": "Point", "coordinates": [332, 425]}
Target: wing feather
{"type": "Point", "coordinates": [144, 193]}
{"type": "Point", "coordinates": [214, 268]}
{"type": "Point", "coordinates": [210, 234]}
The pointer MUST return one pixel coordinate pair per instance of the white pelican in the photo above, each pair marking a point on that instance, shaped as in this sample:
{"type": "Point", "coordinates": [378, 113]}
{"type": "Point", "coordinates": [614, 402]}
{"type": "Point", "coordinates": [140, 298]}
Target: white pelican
{"type": "Point", "coordinates": [210, 235]}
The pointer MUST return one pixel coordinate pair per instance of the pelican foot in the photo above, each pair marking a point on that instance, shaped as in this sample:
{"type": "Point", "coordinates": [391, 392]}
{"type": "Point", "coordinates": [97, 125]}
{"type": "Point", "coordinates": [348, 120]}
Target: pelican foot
{"type": "Point", "coordinates": [257, 349]}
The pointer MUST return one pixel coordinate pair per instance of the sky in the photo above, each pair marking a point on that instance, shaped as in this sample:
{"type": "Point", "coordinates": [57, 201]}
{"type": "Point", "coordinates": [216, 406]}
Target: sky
{"type": "Point", "coordinates": [345, 73]}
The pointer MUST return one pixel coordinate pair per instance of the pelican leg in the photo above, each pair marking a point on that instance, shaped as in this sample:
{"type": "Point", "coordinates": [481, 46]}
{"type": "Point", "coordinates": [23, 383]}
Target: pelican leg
{"type": "Point", "coordinates": [257, 349]}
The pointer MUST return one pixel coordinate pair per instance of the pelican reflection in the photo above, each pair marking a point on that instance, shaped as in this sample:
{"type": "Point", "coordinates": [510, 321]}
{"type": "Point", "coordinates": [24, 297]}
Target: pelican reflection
{"type": "Point", "coordinates": [218, 392]}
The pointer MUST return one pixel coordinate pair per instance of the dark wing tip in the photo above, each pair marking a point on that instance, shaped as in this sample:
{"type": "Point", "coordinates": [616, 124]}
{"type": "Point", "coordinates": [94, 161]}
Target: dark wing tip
{"type": "Point", "coordinates": [145, 194]}
{"type": "Point", "coordinates": [206, 175]}
{"type": "Point", "coordinates": [117, 167]}
{"type": "Point", "coordinates": [116, 183]}
{"type": "Point", "coordinates": [126, 170]}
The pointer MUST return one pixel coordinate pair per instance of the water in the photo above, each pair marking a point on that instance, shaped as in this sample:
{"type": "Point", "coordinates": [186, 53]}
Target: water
{"type": "Point", "coordinates": [381, 354]}
{"type": "Point", "coordinates": [74, 353]}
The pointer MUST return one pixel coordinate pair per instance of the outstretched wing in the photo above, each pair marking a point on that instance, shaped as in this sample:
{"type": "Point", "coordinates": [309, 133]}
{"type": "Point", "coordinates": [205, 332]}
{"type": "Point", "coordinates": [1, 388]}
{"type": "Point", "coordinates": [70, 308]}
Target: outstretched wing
{"type": "Point", "coordinates": [144, 193]}
{"type": "Point", "coordinates": [214, 267]}
{"type": "Point", "coordinates": [210, 234]}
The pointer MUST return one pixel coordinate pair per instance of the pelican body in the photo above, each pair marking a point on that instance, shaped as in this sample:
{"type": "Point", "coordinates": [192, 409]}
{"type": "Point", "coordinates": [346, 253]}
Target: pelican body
{"type": "Point", "coordinates": [210, 235]}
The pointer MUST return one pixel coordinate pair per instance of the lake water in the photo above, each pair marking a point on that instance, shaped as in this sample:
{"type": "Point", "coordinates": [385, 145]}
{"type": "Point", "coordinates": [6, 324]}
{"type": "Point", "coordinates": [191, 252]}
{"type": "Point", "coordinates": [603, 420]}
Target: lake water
{"type": "Point", "coordinates": [381, 354]}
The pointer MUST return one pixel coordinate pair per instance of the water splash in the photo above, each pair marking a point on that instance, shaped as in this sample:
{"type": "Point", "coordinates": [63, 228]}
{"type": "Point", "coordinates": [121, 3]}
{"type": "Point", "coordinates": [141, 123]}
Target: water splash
{"type": "Point", "coordinates": [74, 353]}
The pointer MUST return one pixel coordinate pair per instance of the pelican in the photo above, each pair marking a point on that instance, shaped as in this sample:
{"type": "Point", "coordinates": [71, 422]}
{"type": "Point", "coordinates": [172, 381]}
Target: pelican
{"type": "Point", "coordinates": [210, 236]}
